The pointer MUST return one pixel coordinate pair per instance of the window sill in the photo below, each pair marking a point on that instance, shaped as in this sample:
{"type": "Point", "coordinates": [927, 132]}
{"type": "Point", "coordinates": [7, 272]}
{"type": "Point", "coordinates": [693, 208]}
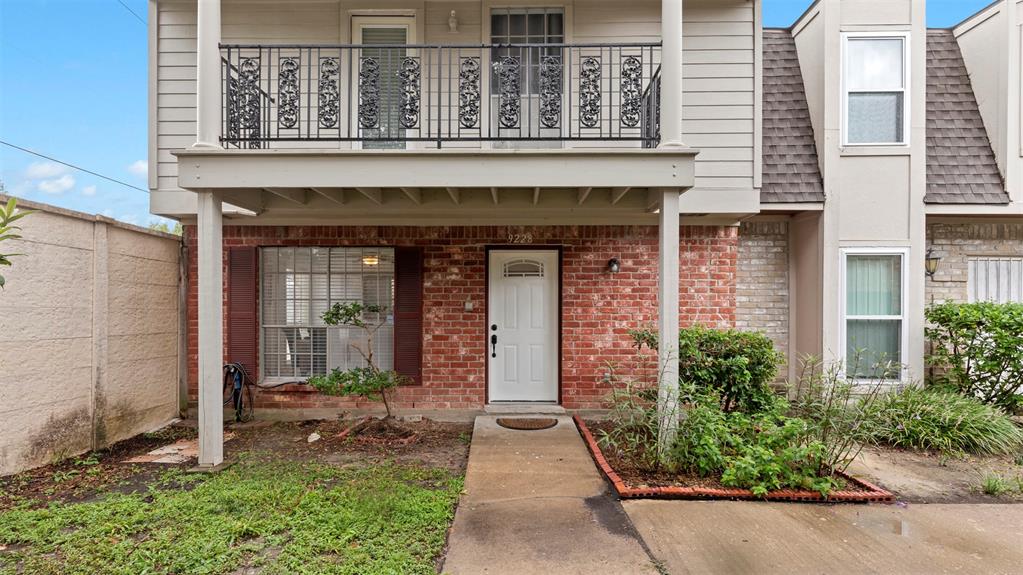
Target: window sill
{"type": "Point", "coordinates": [893, 150]}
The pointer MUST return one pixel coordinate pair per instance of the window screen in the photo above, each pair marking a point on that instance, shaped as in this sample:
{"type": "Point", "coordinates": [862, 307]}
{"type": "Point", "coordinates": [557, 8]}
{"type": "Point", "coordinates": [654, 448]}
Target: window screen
{"type": "Point", "coordinates": [299, 284]}
{"type": "Point", "coordinates": [875, 90]}
{"type": "Point", "coordinates": [873, 309]}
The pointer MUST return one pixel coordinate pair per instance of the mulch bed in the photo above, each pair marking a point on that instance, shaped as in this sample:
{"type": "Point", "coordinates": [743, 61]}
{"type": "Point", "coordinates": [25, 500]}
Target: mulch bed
{"type": "Point", "coordinates": [631, 483]}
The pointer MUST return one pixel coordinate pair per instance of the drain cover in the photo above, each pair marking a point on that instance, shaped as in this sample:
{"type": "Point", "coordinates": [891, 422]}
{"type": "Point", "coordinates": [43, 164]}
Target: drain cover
{"type": "Point", "coordinates": [527, 423]}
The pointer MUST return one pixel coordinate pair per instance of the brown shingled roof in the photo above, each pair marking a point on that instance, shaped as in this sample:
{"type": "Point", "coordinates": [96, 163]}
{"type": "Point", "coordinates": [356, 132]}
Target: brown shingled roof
{"type": "Point", "coordinates": [791, 172]}
{"type": "Point", "coordinates": [961, 167]}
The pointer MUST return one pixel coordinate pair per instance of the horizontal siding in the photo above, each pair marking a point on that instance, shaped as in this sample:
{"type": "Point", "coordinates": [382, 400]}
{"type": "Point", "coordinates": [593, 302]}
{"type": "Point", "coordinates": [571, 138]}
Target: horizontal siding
{"type": "Point", "coordinates": [718, 102]}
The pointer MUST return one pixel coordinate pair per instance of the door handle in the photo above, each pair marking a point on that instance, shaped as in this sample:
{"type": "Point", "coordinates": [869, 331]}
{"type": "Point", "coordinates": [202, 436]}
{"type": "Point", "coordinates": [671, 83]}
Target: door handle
{"type": "Point", "coordinates": [493, 345]}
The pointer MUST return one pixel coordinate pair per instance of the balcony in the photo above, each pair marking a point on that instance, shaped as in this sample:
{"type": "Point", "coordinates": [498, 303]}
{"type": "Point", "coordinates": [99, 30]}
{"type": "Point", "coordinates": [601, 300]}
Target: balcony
{"type": "Point", "coordinates": [531, 96]}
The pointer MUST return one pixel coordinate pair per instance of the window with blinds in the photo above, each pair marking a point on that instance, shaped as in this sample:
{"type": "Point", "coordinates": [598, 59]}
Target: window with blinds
{"type": "Point", "coordinates": [874, 315]}
{"type": "Point", "coordinates": [998, 279]}
{"type": "Point", "coordinates": [389, 59]}
{"type": "Point", "coordinates": [299, 284]}
{"type": "Point", "coordinates": [875, 73]}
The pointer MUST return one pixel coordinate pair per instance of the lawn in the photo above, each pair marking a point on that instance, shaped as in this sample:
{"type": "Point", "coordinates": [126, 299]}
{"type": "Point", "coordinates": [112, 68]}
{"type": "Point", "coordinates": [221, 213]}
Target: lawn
{"type": "Point", "coordinates": [262, 515]}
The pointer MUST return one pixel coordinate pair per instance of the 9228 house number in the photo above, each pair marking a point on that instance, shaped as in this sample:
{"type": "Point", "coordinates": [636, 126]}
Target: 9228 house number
{"type": "Point", "coordinates": [520, 238]}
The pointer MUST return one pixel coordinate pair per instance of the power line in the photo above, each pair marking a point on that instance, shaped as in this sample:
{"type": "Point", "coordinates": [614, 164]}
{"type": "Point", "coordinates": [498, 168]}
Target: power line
{"type": "Point", "coordinates": [79, 168]}
{"type": "Point", "coordinates": [137, 17]}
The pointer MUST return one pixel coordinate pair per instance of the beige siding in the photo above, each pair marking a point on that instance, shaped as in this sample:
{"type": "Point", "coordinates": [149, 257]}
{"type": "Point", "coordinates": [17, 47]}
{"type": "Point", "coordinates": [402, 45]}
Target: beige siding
{"type": "Point", "coordinates": [88, 336]}
{"type": "Point", "coordinates": [981, 46]}
{"type": "Point", "coordinates": [719, 97]}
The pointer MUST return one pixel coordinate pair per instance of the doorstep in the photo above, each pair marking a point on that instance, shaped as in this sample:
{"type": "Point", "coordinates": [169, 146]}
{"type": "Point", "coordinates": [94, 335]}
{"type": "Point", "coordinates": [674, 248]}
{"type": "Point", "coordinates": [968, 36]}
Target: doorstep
{"type": "Point", "coordinates": [523, 408]}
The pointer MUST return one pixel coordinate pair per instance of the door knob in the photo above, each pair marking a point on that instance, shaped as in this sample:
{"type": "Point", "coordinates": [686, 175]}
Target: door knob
{"type": "Point", "coordinates": [493, 344]}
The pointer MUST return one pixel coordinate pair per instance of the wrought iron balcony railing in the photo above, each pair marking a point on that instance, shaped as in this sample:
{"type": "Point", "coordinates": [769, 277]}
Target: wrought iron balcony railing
{"type": "Point", "coordinates": [388, 96]}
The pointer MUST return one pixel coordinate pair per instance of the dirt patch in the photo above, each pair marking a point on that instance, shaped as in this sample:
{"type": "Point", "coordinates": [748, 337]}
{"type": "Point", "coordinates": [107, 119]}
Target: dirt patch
{"type": "Point", "coordinates": [89, 476]}
{"type": "Point", "coordinates": [932, 478]}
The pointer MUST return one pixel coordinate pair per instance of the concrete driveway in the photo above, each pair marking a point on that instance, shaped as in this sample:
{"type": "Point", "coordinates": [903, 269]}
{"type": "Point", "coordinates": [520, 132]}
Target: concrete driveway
{"type": "Point", "coordinates": [741, 537]}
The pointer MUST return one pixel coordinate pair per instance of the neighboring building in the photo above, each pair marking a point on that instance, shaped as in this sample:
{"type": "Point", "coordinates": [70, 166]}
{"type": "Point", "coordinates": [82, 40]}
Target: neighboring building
{"type": "Point", "coordinates": [477, 166]}
{"type": "Point", "coordinates": [90, 337]}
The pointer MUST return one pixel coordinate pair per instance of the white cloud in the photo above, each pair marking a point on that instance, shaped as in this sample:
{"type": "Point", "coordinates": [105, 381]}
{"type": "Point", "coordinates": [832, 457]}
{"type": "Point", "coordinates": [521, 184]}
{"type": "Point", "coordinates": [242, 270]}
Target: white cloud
{"type": "Point", "coordinates": [139, 168]}
{"type": "Point", "coordinates": [45, 170]}
{"type": "Point", "coordinates": [57, 185]}
{"type": "Point", "coordinates": [89, 191]}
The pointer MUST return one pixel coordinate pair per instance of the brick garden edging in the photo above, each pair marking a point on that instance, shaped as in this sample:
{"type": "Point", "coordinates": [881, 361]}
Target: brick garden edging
{"type": "Point", "coordinates": [873, 493]}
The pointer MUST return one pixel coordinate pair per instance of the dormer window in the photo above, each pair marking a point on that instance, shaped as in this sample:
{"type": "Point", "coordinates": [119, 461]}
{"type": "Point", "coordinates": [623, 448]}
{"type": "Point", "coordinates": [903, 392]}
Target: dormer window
{"type": "Point", "coordinates": [875, 109]}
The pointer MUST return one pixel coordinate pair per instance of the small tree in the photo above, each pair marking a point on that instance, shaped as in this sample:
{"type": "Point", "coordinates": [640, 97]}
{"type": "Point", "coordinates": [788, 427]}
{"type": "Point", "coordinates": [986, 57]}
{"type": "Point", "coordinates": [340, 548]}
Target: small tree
{"type": "Point", "coordinates": [8, 231]}
{"type": "Point", "coordinates": [368, 381]}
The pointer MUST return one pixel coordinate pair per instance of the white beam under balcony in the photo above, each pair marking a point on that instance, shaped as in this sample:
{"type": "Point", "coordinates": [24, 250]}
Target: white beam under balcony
{"type": "Point", "coordinates": [208, 81]}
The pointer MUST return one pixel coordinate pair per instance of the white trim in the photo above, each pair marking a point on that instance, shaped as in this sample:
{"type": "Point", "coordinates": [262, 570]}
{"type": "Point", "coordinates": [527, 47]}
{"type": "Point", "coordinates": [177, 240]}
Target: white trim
{"type": "Point", "coordinates": [903, 253]}
{"type": "Point", "coordinates": [906, 96]}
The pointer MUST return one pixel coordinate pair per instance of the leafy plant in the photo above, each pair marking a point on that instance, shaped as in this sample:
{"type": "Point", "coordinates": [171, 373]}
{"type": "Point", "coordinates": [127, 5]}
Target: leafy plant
{"type": "Point", "coordinates": [8, 231]}
{"type": "Point", "coordinates": [738, 366]}
{"type": "Point", "coordinates": [704, 438]}
{"type": "Point", "coordinates": [837, 411]}
{"type": "Point", "coordinates": [994, 485]}
{"type": "Point", "coordinates": [976, 347]}
{"type": "Point", "coordinates": [633, 419]}
{"type": "Point", "coordinates": [367, 381]}
{"type": "Point", "coordinates": [935, 419]}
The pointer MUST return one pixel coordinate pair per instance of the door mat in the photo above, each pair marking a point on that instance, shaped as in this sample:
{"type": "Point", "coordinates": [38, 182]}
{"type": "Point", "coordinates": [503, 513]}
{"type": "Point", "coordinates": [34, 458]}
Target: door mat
{"type": "Point", "coordinates": [527, 423]}
{"type": "Point", "coordinates": [867, 492]}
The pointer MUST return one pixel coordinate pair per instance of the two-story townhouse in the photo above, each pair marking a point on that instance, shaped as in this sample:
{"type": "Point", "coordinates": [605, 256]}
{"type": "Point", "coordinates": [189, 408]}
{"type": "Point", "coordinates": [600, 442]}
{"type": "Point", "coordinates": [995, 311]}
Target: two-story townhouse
{"type": "Point", "coordinates": [521, 183]}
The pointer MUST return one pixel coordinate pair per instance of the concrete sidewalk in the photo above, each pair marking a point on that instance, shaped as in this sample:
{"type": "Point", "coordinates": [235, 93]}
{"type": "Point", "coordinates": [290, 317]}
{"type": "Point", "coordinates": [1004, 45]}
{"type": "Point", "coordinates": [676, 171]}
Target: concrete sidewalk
{"type": "Point", "coordinates": [735, 537]}
{"type": "Point", "coordinates": [535, 503]}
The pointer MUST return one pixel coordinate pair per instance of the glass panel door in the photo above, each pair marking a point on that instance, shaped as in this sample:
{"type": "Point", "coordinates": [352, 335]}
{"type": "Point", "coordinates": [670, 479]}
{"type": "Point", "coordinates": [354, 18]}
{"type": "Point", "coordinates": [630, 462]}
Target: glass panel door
{"type": "Point", "coordinates": [376, 92]}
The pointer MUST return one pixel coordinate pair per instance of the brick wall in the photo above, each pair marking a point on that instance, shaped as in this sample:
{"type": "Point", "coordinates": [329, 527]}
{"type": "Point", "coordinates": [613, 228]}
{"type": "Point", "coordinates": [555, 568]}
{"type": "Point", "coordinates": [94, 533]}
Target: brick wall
{"type": "Point", "coordinates": [762, 281]}
{"type": "Point", "coordinates": [955, 243]}
{"type": "Point", "coordinates": [598, 308]}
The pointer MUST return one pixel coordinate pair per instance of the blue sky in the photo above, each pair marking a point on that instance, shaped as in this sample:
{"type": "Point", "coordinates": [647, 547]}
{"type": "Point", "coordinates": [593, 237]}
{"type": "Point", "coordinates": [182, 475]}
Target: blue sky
{"type": "Point", "coordinates": [73, 86]}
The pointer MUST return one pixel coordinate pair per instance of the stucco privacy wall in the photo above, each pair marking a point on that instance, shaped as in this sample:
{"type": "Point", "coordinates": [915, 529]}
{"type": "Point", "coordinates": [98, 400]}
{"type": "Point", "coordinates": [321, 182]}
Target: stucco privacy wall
{"type": "Point", "coordinates": [598, 308]}
{"type": "Point", "coordinates": [89, 335]}
{"type": "Point", "coordinates": [956, 242]}
{"type": "Point", "coordinates": [762, 281]}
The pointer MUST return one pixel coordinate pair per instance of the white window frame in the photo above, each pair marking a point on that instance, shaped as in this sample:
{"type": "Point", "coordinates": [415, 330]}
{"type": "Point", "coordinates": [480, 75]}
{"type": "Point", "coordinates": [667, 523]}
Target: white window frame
{"type": "Point", "coordinates": [906, 60]}
{"type": "Point", "coordinates": [903, 253]}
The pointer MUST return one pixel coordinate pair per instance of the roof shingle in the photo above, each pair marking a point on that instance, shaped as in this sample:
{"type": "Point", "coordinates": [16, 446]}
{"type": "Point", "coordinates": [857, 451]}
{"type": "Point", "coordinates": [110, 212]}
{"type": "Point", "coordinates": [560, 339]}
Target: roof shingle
{"type": "Point", "coordinates": [961, 166]}
{"type": "Point", "coordinates": [791, 171]}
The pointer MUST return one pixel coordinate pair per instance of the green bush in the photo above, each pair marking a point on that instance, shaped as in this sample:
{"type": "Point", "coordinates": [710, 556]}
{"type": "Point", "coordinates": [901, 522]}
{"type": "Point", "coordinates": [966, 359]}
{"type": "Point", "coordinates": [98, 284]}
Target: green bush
{"type": "Point", "coordinates": [738, 366]}
{"type": "Point", "coordinates": [977, 349]}
{"type": "Point", "coordinates": [934, 419]}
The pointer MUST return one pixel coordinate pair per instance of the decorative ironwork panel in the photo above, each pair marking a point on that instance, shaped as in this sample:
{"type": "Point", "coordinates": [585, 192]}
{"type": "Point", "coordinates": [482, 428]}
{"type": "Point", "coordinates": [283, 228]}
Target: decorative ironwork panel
{"type": "Point", "coordinates": [469, 92]}
{"type": "Point", "coordinates": [550, 91]}
{"type": "Point", "coordinates": [632, 91]}
{"type": "Point", "coordinates": [409, 73]}
{"type": "Point", "coordinates": [329, 95]}
{"type": "Point", "coordinates": [243, 106]}
{"type": "Point", "coordinates": [287, 92]}
{"type": "Point", "coordinates": [509, 106]}
{"type": "Point", "coordinates": [589, 91]}
{"type": "Point", "coordinates": [369, 93]}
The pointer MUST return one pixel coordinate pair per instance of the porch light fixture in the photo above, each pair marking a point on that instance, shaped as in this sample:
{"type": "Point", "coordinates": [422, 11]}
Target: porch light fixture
{"type": "Point", "coordinates": [371, 260]}
{"type": "Point", "coordinates": [931, 263]}
{"type": "Point", "coordinates": [614, 266]}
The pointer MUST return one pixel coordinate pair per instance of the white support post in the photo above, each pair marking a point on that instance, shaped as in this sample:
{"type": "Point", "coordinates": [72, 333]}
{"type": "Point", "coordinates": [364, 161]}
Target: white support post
{"type": "Point", "coordinates": [211, 329]}
{"type": "Point", "coordinates": [671, 74]}
{"type": "Point", "coordinates": [208, 81]}
{"type": "Point", "coordinates": [667, 317]}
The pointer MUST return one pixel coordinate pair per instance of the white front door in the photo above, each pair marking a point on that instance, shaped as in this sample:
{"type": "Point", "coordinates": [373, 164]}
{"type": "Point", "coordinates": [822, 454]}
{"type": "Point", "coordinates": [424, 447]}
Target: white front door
{"type": "Point", "coordinates": [522, 334]}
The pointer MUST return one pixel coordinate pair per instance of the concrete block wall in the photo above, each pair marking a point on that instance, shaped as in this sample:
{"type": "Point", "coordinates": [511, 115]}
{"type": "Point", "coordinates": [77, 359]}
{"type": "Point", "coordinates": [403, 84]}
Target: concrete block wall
{"type": "Point", "coordinates": [762, 281]}
{"type": "Point", "coordinates": [956, 242]}
{"type": "Point", "coordinates": [89, 335]}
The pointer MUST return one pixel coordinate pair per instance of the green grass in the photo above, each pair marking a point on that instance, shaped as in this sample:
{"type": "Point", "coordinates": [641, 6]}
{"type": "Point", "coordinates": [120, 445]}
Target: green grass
{"type": "Point", "coordinates": [279, 517]}
{"type": "Point", "coordinates": [994, 485]}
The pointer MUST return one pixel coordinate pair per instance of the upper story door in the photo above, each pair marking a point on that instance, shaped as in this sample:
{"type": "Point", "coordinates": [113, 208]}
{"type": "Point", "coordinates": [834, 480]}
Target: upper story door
{"type": "Point", "coordinates": [378, 98]}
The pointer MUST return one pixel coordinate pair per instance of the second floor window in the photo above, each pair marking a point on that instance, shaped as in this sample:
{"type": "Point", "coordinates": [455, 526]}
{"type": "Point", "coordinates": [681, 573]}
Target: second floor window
{"type": "Point", "coordinates": [874, 81]}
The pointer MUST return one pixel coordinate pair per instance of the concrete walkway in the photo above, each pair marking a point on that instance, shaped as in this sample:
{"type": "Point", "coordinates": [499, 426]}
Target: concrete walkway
{"type": "Point", "coordinates": [730, 537]}
{"type": "Point", "coordinates": [535, 503]}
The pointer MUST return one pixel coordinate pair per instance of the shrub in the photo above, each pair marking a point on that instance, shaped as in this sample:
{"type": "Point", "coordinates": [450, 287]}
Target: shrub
{"type": "Point", "coordinates": [945, 421]}
{"type": "Point", "coordinates": [634, 423]}
{"type": "Point", "coordinates": [703, 439]}
{"type": "Point", "coordinates": [977, 348]}
{"type": "Point", "coordinates": [738, 366]}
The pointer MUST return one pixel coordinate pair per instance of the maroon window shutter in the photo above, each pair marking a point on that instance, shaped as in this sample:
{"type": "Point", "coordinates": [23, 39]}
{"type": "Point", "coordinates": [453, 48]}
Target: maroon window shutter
{"type": "Point", "coordinates": [408, 313]}
{"type": "Point", "coordinates": [242, 316]}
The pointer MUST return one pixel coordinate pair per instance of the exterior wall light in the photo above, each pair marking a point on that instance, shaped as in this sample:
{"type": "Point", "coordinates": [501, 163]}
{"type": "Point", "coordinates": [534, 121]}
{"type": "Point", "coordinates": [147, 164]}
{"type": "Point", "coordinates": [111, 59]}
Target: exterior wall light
{"type": "Point", "coordinates": [370, 260]}
{"type": "Point", "coordinates": [931, 263]}
{"type": "Point", "coordinates": [614, 266]}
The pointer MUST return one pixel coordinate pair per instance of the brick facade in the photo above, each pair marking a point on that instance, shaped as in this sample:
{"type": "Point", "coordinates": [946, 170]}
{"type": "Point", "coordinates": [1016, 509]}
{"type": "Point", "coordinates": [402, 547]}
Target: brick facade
{"type": "Point", "coordinates": [762, 281]}
{"type": "Point", "coordinates": [955, 243]}
{"type": "Point", "coordinates": [598, 308]}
